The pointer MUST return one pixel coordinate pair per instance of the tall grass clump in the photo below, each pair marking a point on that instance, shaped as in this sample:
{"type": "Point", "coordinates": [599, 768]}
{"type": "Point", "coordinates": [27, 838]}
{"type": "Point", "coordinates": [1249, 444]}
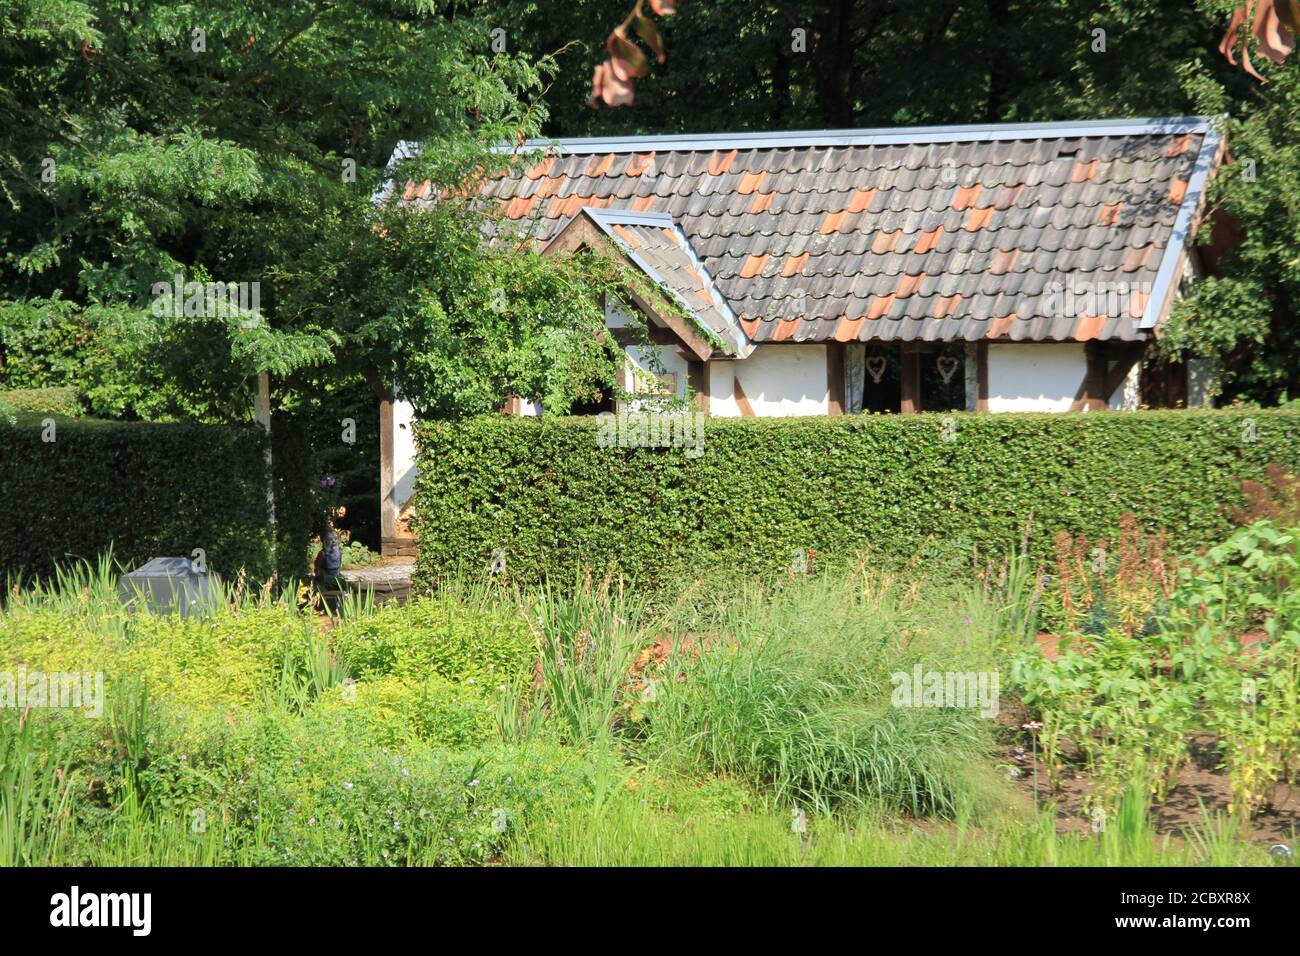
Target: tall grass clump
{"type": "Point", "coordinates": [35, 792]}
{"type": "Point", "coordinates": [587, 640]}
{"type": "Point", "coordinates": [793, 691]}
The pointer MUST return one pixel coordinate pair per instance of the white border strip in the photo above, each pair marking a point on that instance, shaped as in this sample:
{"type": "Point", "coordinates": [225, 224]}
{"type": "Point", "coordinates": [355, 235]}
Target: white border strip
{"type": "Point", "coordinates": [1166, 276]}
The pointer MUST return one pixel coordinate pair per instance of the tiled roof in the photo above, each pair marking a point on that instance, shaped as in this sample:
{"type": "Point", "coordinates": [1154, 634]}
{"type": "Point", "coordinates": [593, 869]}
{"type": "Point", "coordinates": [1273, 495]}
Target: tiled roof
{"type": "Point", "coordinates": [659, 247]}
{"type": "Point", "coordinates": [943, 233]}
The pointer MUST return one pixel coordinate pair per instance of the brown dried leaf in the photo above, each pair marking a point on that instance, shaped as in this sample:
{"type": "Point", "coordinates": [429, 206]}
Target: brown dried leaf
{"type": "Point", "coordinates": [649, 35]}
{"type": "Point", "coordinates": [626, 57]}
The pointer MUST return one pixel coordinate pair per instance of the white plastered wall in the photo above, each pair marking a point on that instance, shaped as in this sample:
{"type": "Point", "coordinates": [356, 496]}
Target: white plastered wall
{"type": "Point", "coordinates": [403, 444]}
{"type": "Point", "coordinates": [778, 380]}
{"type": "Point", "coordinates": [1035, 377]}
{"type": "Point", "coordinates": [1045, 377]}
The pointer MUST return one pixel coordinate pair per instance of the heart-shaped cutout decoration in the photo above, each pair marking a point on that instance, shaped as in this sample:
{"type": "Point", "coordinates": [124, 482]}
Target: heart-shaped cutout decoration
{"type": "Point", "coordinates": [947, 367]}
{"type": "Point", "coordinates": [876, 368]}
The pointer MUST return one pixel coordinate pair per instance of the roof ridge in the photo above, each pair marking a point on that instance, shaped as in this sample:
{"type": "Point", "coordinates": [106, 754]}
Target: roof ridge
{"type": "Point", "coordinates": [985, 132]}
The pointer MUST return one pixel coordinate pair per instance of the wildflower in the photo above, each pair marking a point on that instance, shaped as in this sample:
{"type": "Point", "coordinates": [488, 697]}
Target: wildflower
{"type": "Point", "coordinates": [1013, 773]}
{"type": "Point", "coordinates": [1032, 725]}
{"type": "Point", "coordinates": [473, 783]}
{"type": "Point", "coordinates": [347, 785]}
{"type": "Point", "coordinates": [311, 822]}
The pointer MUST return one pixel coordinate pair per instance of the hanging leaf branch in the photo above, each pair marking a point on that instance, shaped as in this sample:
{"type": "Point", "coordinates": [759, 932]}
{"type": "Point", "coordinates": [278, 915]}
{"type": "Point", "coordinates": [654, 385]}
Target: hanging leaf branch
{"type": "Point", "coordinates": [1274, 23]}
{"type": "Point", "coordinates": [614, 82]}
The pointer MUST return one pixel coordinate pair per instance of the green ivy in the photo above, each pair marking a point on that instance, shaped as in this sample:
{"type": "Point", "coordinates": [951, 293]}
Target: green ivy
{"type": "Point", "coordinates": [766, 493]}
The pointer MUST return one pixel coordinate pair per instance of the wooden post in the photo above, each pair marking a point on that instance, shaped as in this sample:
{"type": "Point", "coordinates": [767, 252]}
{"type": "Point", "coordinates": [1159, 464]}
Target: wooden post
{"type": "Point", "coordinates": [1091, 395]}
{"type": "Point", "coordinates": [387, 507]}
{"type": "Point", "coordinates": [834, 378]}
{"type": "Point", "coordinates": [697, 377]}
{"type": "Point", "coordinates": [910, 379]}
{"type": "Point", "coordinates": [981, 376]}
{"type": "Point", "coordinates": [855, 376]}
{"type": "Point", "coordinates": [262, 411]}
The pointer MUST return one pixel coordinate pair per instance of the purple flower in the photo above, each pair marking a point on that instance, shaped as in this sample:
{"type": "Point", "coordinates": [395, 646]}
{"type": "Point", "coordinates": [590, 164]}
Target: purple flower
{"type": "Point", "coordinates": [327, 481]}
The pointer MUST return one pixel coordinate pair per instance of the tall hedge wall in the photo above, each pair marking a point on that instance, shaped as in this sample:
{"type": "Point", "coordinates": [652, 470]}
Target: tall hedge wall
{"type": "Point", "coordinates": [145, 489]}
{"type": "Point", "coordinates": [902, 486]}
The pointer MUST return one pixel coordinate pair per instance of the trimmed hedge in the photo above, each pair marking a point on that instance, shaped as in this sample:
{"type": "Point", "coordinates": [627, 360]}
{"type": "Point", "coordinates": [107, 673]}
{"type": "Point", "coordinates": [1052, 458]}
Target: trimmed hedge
{"type": "Point", "coordinates": [145, 489]}
{"type": "Point", "coordinates": [903, 487]}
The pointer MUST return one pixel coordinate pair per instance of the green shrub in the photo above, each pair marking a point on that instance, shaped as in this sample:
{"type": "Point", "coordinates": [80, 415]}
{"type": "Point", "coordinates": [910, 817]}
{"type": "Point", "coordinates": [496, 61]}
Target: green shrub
{"type": "Point", "coordinates": [397, 711]}
{"type": "Point", "coordinates": [142, 490]}
{"type": "Point", "coordinates": [56, 401]}
{"type": "Point", "coordinates": [546, 493]}
{"type": "Point", "coordinates": [458, 642]}
{"type": "Point", "coordinates": [223, 661]}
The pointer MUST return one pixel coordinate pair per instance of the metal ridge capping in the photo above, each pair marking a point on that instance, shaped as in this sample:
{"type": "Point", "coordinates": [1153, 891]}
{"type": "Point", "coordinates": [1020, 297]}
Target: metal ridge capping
{"type": "Point", "coordinates": [893, 135]}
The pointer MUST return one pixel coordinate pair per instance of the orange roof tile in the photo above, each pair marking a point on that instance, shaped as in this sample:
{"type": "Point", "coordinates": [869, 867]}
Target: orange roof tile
{"type": "Point", "coordinates": [762, 202]}
{"type": "Point", "coordinates": [946, 305]}
{"type": "Point", "coordinates": [966, 196]}
{"type": "Point", "coordinates": [785, 329]}
{"type": "Point", "coordinates": [861, 200]}
{"type": "Point", "coordinates": [880, 305]}
{"type": "Point", "coordinates": [1110, 214]}
{"type": "Point", "coordinates": [753, 266]}
{"type": "Point", "coordinates": [600, 165]}
{"type": "Point", "coordinates": [749, 182]}
{"type": "Point", "coordinates": [721, 162]}
{"type": "Point", "coordinates": [627, 237]}
{"type": "Point", "coordinates": [794, 265]}
{"type": "Point", "coordinates": [1083, 171]}
{"type": "Point", "coordinates": [978, 219]}
{"type": "Point", "coordinates": [832, 222]}
{"type": "Point", "coordinates": [521, 206]}
{"type": "Point", "coordinates": [541, 169]}
{"type": "Point", "coordinates": [1000, 326]}
{"type": "Point", "coordinates": [1137, 303]}
{"type": "Point", "coordinates": [640, 162]}
{"type": "Point", "coordinates": [848, 329]}
{"type": "Point", "coordinates": [1179, 146]}
{"type": "Point", "coordinates": [907, 285]}
{"type": "Point", "coordinates": [928, 240]}
{"type": "Point", "coordinates": [642, 203]}
{"type": "Point", "coordinates": [1177, 190]}
{"type": "Point", "coordinates": [1088, 327]}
